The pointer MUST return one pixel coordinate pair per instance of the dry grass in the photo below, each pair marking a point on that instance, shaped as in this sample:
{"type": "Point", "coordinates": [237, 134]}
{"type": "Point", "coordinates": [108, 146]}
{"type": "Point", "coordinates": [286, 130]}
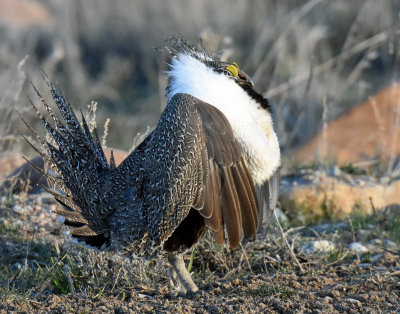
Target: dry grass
{"type": "Point", "coordinates": [298, 54]}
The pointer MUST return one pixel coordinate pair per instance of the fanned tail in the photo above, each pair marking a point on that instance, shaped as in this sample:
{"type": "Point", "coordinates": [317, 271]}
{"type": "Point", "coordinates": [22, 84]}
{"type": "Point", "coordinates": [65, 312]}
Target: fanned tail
{"type": "Point", "coordinates": [80, 175]}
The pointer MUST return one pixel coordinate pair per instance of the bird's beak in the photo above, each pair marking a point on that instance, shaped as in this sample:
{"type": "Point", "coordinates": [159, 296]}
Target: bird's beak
{"type": "Point", "coordinates": [244, 79]}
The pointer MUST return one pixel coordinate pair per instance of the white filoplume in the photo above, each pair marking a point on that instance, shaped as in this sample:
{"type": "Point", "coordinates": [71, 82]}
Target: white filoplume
{"type": "Point", "coordinates": [251, 124]}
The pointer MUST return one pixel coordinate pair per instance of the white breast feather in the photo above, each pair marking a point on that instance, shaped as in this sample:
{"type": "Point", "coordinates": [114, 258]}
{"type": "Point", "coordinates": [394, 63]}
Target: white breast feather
{"type": "Point", "coordinates": [252, 125]}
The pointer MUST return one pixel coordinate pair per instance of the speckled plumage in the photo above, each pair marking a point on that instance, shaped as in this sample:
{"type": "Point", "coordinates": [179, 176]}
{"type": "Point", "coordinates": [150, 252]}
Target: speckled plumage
{"type": "Point", "coordinates": [193, 173]}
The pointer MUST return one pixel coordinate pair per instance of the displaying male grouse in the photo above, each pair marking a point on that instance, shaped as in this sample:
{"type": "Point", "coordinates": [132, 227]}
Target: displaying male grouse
{"type": "Point", "coordinates": [212, 149]}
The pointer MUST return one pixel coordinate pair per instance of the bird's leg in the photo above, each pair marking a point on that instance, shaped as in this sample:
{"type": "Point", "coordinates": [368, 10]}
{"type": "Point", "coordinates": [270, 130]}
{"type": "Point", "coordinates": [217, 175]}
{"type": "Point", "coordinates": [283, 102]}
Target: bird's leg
{"type": "Point", "coordinates": [181, 276]}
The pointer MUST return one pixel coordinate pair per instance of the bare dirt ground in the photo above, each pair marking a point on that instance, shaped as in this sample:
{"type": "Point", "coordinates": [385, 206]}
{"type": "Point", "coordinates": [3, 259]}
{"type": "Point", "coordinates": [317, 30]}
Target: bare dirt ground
{"type": "Point", "coordinates": [40, 271]}
{"type": "Point", "coordinates": [343, 288]}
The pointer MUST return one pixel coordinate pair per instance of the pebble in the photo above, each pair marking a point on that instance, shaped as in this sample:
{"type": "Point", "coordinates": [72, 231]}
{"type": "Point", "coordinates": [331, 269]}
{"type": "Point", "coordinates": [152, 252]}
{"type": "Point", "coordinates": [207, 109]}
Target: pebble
{"type": "Point", "coordinates": [365, 265]}
{"type": "Point", "coordinates": [284, 182]}
{"type": "Point", "coordinates": [327, 300]}
{"type": "Point", "coordinates": [358, 247]}
{"type": "Point", "coordinates": [330, 227]}
{"type": "Point", "coordinates": [375, 245]}
{"type": "Point", "coordinates": [16, 267]}
{"type": "Point", "coordinates": [281, 216]}
{"type": "Point", "coordinates": [363, 234]}
{"type": "Point", "coordinates": [353, 301]}
{"type": "Point", "coordinates": [376, 257]}
{"type": "Point", "coordinates": [385, 180]}
{"type": "Point", "coordinates": [319, 246]}
{"type": "Point", "coordinates": [21, 210]}
{"type": "Point", "coordinates": [335, 171]}
{"type": "Point", "coordinates": [376, 242]}
{"type": "Point", "coordinates": [390, 245]}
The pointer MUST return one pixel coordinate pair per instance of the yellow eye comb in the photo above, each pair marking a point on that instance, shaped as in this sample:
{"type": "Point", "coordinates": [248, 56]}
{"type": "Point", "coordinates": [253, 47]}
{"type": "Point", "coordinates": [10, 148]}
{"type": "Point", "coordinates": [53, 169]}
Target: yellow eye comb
{"type": "Point", "coordinates": [233, 69]}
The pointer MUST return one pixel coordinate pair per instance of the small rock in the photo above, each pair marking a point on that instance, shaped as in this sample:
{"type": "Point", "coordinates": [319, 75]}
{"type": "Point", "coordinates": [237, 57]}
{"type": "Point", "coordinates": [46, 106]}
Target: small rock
{"type": "Point", "coordinates": [385, 180]}
{"type": "Point", "coordinates": [102, 308]}
{"type": "Point", "coordinates": [358, 247]}
{"type": "Point", "coordinates": [335, 171]}
{"type": "Point", "coordinates": [327, 300]}
{"type": "Point", "coordinates": [376, 257]}
{"type": "Point", "coordinates": [363, 234]}
{"type": "Point", "coordinates": [16, 266]}
{"type": "Point", "coordinates": [319, 246]}
{"type": "Point", "coordinates": [19, 267]}
{"type": "Point", "coordinates": [377, 242]}
{"type": "Point", "coordinates": [21, 210]}
{"type": "Point", "coordinates": [375, 245]}
{"type": "Point", "coordinates": [281, 216]}
{"type": "Point", "coordinates": [353, 301]}
{"type": "Point", "coordinates": [390, 245]}
{"type": "Point", "coordinates": [330, 227]}
{"type": "Point", "coordinates": [284, 182]}
{"type": "Point", "coordinates": [365, 265]}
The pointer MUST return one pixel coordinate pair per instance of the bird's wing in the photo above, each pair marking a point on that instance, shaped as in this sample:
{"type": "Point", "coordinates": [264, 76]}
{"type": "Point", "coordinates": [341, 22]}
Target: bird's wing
{"type": "Point", "coordinates": [230, 198]}
{"type": "Point", "coordinates": [196, 162]}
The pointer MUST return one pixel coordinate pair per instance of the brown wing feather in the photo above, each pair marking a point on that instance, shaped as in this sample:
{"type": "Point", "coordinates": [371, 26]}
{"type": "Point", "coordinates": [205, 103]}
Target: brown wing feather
{"type": "Point", "coordinates": [247, 201]}
{"type": "Point", "coordinates": [220, 236]}
{"type": "Point", "coordinates": [213, 188]}
{"type": "Point", "coordinates": [212, 192]}
{"type": "Point", "coordinates": [230, 197]}
{"type": "Point", "coordinates": [231, 209]}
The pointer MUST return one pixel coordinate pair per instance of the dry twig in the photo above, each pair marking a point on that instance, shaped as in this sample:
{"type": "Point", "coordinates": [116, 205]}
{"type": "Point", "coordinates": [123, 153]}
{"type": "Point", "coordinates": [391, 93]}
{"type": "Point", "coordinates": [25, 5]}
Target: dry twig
{"type": "Point", "coordinates": [287, 243]}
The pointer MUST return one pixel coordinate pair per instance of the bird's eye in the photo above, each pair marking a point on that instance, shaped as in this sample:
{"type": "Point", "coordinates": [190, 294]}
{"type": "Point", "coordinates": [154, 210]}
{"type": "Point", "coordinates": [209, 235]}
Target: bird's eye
{"type": "Point", "coordinates": [233, 69]}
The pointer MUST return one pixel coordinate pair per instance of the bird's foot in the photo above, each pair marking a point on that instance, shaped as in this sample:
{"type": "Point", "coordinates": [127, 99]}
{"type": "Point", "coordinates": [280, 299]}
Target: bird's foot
{"type": "Point", "coordinates": [180, 277]}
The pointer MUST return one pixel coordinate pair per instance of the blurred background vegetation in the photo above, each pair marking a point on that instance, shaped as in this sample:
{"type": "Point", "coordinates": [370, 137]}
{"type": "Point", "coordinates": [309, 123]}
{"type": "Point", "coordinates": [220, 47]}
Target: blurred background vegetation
{"type": "Point", "coordinates": [311, 58]}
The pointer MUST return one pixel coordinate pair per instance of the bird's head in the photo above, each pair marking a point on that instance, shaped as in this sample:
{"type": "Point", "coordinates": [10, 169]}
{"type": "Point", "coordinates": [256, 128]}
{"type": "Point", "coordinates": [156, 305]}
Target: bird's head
{"type": "Point", "coordinates": [232, 71]}
{"type": "Point", "coordinates": [190, 63]}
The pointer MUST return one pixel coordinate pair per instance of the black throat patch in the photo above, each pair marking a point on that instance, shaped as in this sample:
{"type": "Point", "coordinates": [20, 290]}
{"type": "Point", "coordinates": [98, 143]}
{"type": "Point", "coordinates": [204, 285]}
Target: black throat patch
{"type": "Point", "coordinates": [264, 103]}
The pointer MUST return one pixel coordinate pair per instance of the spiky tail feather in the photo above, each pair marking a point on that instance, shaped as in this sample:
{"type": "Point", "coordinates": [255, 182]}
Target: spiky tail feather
{"type": "Point", "coordinates": [81, 174]}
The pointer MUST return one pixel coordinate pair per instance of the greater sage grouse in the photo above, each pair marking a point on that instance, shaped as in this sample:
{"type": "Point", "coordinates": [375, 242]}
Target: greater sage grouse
{"type": "Point", "coordinates": [212, 149]}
